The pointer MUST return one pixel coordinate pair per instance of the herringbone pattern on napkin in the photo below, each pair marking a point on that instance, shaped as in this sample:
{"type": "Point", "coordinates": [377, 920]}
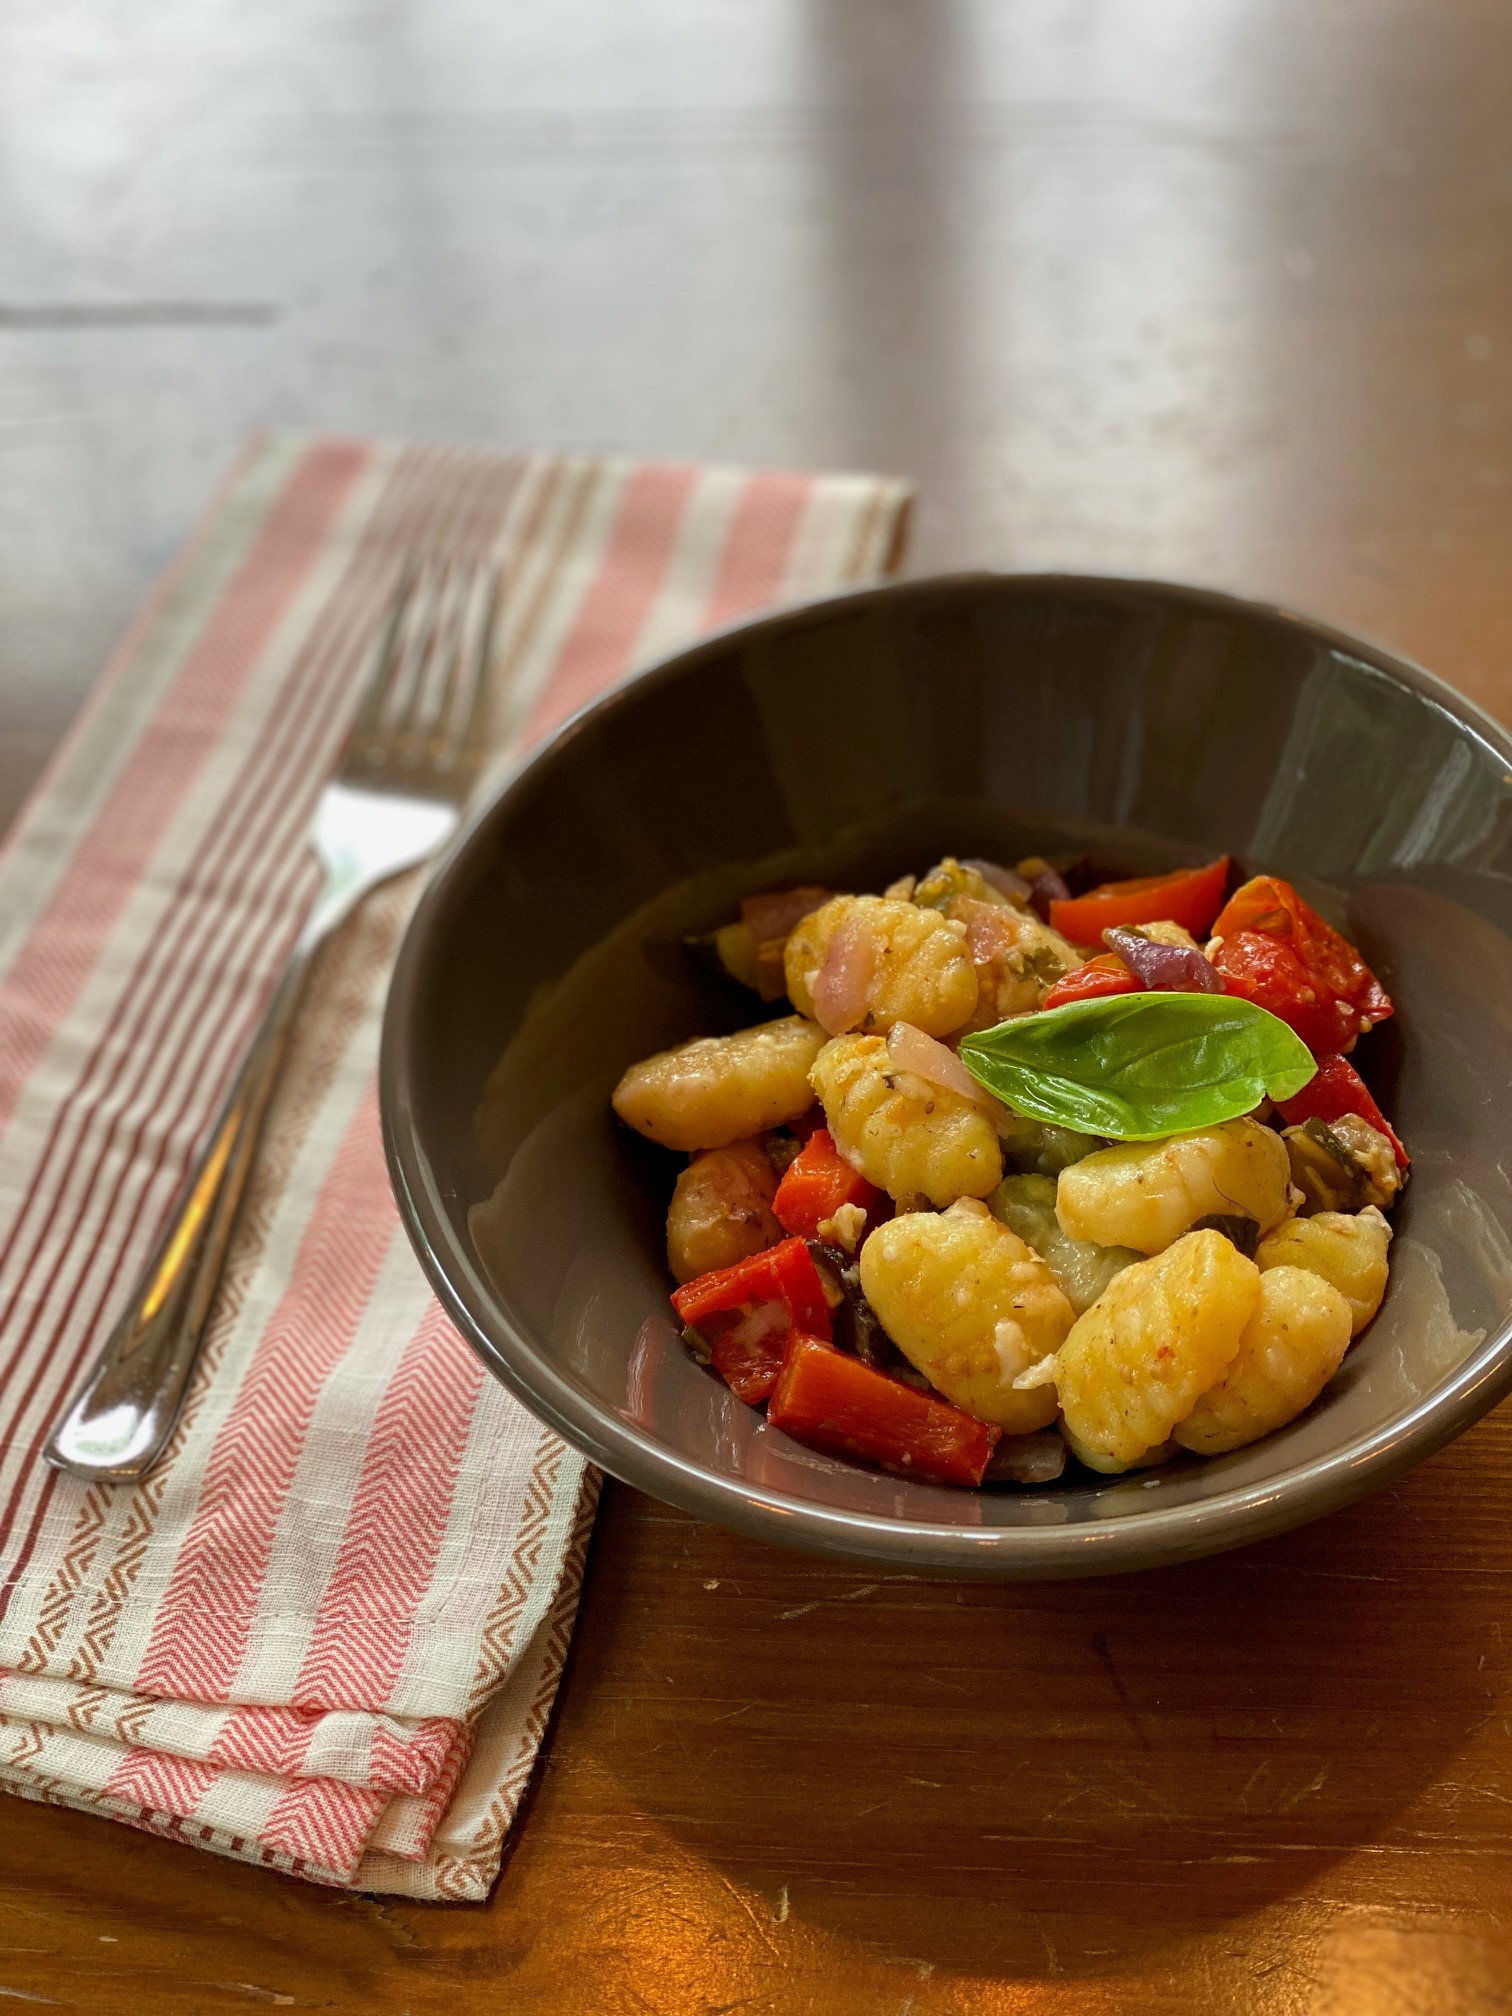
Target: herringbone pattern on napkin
{"type": "Point", "coordinates": [325, 1635]}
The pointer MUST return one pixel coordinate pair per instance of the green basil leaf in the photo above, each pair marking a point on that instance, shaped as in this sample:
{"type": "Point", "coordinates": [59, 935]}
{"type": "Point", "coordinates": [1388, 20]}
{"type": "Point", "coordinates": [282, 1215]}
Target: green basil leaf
{"type": "Point", "coordinates": [1136, 1067]}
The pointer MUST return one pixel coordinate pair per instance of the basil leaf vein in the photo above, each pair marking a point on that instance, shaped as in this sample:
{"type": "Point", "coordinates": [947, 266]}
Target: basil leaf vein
{"type": "Point", "coordinates": [1136, 1067]}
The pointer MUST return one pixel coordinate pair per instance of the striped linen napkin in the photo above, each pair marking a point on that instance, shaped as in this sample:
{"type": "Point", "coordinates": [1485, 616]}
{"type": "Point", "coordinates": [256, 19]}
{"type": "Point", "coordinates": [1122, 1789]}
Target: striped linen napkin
{"type": "Point", "coordinates": [326, 1633]}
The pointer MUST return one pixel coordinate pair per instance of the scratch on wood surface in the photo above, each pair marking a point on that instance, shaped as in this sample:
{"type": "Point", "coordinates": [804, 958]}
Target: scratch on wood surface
{"type": "Point", "coordinates": [1081, 1789]}
{"type": "Point", "coordinates": [780, 1914]}
{"type": "Point", "coordinates": [1307, 1791]}
{"type": "Point", "coordinates": [1105, 1659]}
{"type": "Point", "coordinates": [947, 1685]}
{"type": "Point", "coordinates": [1254, 1779]}
{"type": "Point", "coordinates": [745, 1904]}
{"type": "Point", "coordinates": [783, 1616]}
{"type": "Point", "coordinates": [20, 1995]}
{"type": "Point", "coordinates": [1050, 1953]}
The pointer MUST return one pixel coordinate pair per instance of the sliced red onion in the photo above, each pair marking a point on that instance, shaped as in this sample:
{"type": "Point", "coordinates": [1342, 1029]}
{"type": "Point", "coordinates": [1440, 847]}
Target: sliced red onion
{"type": "Point", "coordinates": [1007, 881]}
{"type": "Point", "coordinates": [841, 985]}
{"type": "Point", "coordinates": [1047, 888]}
{"type": "Point", "coordinates": [1166, 969]}
{"type": "Point", "coordinates": [990, 930]}
{"type": "Point", "coordinates": [779, 911]}
{"type": "Point", "coordinates": [911, 1050]}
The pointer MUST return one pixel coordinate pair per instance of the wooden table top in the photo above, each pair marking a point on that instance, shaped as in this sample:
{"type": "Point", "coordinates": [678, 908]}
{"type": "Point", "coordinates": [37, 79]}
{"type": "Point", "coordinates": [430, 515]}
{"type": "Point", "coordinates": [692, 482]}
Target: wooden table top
{"type": "Point", "coordinates": [1212, 289]}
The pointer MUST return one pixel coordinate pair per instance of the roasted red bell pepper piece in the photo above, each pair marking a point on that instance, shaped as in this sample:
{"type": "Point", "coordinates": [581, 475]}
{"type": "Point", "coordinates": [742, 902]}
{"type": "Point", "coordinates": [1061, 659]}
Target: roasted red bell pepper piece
{"type": "Point", "coordinates": [834, 1402]}
{"type": "Point", "coordinates": [748, 1353]}
{"type": "Point", "coordinates": [782, 1274]}
{"type": "Point", "coordinates": [815, 1184]}
{"type": "Point", "coordinates": [1276, 950]}
{"type": "Point", "coordinates": [1191, 897]}
{"type": "Point", "coordinates": [1106, 974]}
{"type": "Point", "coordinates": [1336, 1090]}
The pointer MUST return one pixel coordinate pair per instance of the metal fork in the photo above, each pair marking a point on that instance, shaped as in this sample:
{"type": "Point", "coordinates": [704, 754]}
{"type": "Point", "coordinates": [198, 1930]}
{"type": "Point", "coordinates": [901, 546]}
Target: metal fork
{"type": "Point", "coordinates": [410, 762]}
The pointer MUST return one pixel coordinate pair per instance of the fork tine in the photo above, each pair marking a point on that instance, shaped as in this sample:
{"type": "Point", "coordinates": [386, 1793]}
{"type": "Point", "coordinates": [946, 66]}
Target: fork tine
{"type": "Point", "coordinates": [472, 743]}
{"type": "Point", "coordinates": [433, 657]}
{"type": "Point", "coordinates": [422, 627]}
{"type": "Point", "coordinates": [369, 717]}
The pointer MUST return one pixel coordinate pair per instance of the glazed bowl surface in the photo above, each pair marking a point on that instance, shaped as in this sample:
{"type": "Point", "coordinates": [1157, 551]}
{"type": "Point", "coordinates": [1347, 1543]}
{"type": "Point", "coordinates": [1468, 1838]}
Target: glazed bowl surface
{"type": "Point", "coordinates": [847, 742]}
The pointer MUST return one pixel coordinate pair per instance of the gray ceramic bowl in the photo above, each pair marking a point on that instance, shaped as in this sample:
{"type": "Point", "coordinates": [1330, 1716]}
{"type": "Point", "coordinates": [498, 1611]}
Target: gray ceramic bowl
{"type": "Point", "coordinates": [852, 740]}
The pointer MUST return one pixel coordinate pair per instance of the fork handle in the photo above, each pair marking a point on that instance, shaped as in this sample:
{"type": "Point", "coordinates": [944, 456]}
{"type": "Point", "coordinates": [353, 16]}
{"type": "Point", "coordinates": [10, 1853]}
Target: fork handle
{"type": "Point", "coordinates": [121, 1421]}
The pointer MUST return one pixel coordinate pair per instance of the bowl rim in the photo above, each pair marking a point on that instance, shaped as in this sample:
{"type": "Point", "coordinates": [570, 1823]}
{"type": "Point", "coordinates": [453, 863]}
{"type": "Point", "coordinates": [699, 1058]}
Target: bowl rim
{"type": "Point", "coordinates": [1143, 1539]}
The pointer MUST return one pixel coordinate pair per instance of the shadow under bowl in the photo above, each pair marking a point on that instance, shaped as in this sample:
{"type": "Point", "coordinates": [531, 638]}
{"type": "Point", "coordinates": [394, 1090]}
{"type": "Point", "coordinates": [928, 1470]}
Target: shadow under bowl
{"type": "Point", "coordinates": [847, 742]}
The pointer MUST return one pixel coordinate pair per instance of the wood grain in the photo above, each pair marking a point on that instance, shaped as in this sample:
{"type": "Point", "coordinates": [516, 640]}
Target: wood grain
{"type": "Point", "coordinates": [1214, 289]}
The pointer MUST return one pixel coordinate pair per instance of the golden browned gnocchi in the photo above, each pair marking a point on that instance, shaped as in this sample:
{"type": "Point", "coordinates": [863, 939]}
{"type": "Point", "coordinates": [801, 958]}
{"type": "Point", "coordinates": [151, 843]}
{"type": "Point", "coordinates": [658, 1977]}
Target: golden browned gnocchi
{"type": "Point", "coordinates": [1017, 958]}
{"type": "Point", "coordinates": [720, 1089]}
{"type": "Point", "coordinates": [1145, 1194]}
{"type": "Point", "coordinates": [908, 1136]}
{"type": "Point", "coordinates": [1291, 1347]}
{"type": "Point", "coordinates": [971, 1306]}
{"type": "Point", "coordinates": [721, 1210]}
{"type": "Point", "coordinates": [866, 962]}
{"type": "Point", "coordinates": [1346, 1249]}
{"type": "Point", "coordinates": [1161, 1333]}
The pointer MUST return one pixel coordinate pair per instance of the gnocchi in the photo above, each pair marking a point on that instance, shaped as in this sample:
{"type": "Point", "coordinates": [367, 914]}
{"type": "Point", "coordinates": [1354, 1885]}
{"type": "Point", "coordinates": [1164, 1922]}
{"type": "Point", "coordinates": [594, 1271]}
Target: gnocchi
{"type": "Point", "coordinates": [1145, 1194]}
{"type": "Point", "coordinates": [1162, 1332]}
{"type": "Point", "coordinates": [971, 1306]}
{"type": "Point", "coordinates": [1346, 1249]}
{"type": "Point", "coordinates": [866, 962]}
{"type": "Point", "coordinates": [1017, 958]}
{"type": "Point", "coordinates": [720, 1089]}
{"type": "Point", "coordinates": [1291, 1347]}
{"type": "Point", "coordinates": [721, 1210]}
{"type": "Point", "coordinates": [908, 1136]}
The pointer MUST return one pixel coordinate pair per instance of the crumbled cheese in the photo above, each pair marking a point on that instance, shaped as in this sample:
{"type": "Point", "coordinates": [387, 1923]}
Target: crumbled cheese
{"type": "Point", "coordinates": [845, 1228]}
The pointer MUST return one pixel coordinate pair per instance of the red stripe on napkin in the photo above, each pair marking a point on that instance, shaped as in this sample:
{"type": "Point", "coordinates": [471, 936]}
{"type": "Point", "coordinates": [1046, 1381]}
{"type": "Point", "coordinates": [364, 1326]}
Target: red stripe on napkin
{"type": "Point", "coordinates": [759, 546]}
{"type": "Point", "coordinates": [600, 645]}
{"type": "Point", "coordinates": [420, 1435]}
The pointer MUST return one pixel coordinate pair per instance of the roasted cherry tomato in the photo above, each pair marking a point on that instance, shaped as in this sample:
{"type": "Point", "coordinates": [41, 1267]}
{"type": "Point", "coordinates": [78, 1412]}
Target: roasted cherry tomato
{"type": "Point", "coordinates": [1276, 950]}
{"type": "Point", "coordinates": [1191, 897]}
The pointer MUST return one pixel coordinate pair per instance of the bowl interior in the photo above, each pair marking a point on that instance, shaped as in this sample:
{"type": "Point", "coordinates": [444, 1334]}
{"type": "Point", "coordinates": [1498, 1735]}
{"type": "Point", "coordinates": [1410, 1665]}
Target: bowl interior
{"type": "Point", "coordinates": [848, 743]}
